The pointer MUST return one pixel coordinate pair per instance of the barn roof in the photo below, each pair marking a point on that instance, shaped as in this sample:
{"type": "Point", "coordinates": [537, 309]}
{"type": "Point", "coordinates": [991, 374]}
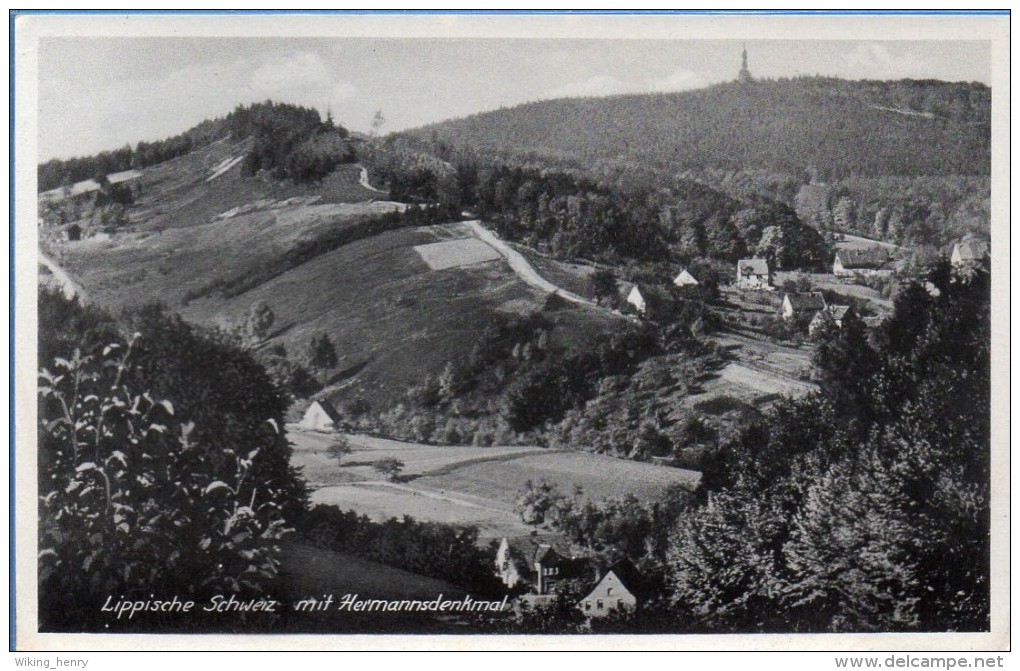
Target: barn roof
{"type": "Point", "coordinates": [806, 301]}
{"type": "Point", "coordinates": [838, 311]}
{"type": "Point", "coordinates": [327, 408]}
{"type": "Point", "coordinates": [753, 267]}
{"type": "Point", "coordinates": [863, 258]}
{"type": "Point", "coordinates": [834, 312]}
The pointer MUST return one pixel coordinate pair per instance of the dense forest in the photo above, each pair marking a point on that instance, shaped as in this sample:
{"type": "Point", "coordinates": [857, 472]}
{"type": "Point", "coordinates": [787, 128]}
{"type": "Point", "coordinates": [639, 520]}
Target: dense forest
{"type": "Point", "coordinates": [832, 127]}
{"type": "Point", "coordinates": [290, 141]}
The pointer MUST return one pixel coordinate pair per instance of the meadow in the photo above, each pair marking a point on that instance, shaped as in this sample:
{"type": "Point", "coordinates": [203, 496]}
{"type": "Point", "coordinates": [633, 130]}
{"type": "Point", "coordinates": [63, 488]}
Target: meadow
{"type": "Point", "coordinates": [465, 484]}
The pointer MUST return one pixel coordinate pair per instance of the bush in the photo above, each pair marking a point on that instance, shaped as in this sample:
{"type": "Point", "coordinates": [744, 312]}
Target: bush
{"type": "Point", "coordinates": [132, 505]}
{"type": "Point", "coordinates": [389, 467]}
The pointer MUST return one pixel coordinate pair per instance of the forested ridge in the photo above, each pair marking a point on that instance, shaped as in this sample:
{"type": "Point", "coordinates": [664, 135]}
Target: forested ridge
{"type": "Point", "coordinates": [834, 127]}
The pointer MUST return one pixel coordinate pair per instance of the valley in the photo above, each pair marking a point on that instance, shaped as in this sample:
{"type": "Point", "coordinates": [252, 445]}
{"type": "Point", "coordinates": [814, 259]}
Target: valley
{"type": "Point", "coordinates": [367, 362]}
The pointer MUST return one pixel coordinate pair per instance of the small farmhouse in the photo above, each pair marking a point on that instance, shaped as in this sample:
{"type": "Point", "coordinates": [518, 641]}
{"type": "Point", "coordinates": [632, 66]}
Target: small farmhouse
{"type": "Point", "coordinates": [633, 295]}
{"type": "Point", "coordinates": [651, 302]}
{"type": "Point", "coordinates": [796, 305]}
{"type": "Point", "coordinates": [849, 262]}
{"type": "Point", "coordinates": [831, 314]}
{"type": "Point", "coordinates": [685, 279]}
{"type": "Point", "coordinates": [968, 250]}
{"type": "Point", "coordinates": [618, 589]}
{"type": "Point", "coordinates": [754, 274]}
{"type": "Point", "coordinates": [320, 416]}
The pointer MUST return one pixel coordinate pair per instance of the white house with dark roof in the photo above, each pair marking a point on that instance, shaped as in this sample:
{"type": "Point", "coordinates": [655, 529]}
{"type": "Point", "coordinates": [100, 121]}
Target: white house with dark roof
{"type": "Point", "coordinates": [533, 561]}
{"type": "Point", "coordinates": [754, 274]}
{"type": "Point", "coordinates": [619, 589]}
{"type": "Point", "coordinates": [799, 304]}
{"type": "Point", "coordinates": [832, 314]}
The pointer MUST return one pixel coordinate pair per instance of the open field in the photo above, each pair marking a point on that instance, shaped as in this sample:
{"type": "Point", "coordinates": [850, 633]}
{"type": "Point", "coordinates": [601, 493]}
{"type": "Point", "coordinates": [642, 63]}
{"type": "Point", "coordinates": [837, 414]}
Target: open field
{"type": "Point", "coordinates": [456, 253]}
{"type": "Point", "coordinates": [310, 453]}
{"type": "Point", "coordinates": [467, 485]}
{"type": "Point", "coordinates": [598, 475]}
{"type": "Point", "coordinates": [765, 382]}
{"type": "Point", "coordinates": [136, 267]}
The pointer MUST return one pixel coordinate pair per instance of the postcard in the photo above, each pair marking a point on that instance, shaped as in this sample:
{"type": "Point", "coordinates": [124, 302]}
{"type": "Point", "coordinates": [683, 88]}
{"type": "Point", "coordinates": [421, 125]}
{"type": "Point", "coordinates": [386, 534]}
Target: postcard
{"type": "Point", "coordinates": [605, 331]}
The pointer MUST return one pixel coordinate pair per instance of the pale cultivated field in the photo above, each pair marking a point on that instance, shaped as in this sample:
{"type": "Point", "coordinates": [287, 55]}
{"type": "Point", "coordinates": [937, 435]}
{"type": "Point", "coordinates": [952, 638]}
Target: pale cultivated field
{"type": "Point", "coordinates": [456, 253]}
{"type": "Point", "coordinates": [467, 485]}
{"type": "Point", "coordinates": [597, 475]}
{"type": "Point", "coordinates": [764, 381]}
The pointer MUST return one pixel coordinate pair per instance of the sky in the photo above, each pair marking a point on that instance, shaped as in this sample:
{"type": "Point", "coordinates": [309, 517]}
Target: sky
{"type": "Point", "coordinates": [103, 93]}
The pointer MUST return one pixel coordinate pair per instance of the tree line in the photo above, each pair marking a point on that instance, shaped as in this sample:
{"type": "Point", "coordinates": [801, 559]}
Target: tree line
{"type": "Point", "coordinates": [288, 141]}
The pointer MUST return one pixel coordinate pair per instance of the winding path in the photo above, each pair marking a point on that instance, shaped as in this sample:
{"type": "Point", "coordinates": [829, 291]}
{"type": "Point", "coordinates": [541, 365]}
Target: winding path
{"type": "Point", "coordinates": [363, 181]}
{"type": "Point", "coordinates": [527, 272]}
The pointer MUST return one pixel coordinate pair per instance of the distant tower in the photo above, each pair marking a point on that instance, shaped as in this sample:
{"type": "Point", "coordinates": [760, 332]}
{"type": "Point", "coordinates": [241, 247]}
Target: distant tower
{"type": "Point", "coordinates": [744, 76]}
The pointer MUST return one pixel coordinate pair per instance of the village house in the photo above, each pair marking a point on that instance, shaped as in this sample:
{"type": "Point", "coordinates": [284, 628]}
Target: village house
{"type": "Point", "coordinates": [320, 416]}
{"type": "Point", "coordinates": [650, 302]}
{"type": "Point", "coordinates": [619, 589]}
{"type": "Point", "coordinates": [754, 274]}
{"type": "Point", "coordinates": [968, 250]}
{"type": "Point", "coordinates": [685, 279]}
{"type": "Point", "coordinates": [798, 305]}
{"type": "Point", "coordinates": [831, 314]}
{"type": "Point", "coordinates": [850, 262]}
{"type": "Point", "coordinates": [534, 562]}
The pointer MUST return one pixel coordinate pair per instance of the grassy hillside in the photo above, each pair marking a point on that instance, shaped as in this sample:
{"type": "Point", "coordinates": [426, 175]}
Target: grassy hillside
{"type": "Point", "coordinates": [833, 127]}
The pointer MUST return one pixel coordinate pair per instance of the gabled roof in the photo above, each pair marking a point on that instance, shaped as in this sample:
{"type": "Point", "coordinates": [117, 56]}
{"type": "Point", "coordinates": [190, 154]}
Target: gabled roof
{"type": "Point", "coordinates": [753, 267]}
{"type": "Point", "coordinates": [863, 258]}
{"type": "Point", "coordinates": [684, 278]}
{"type": "Point", "coordinates": [327, 408]}
{"type": "Point", "coordinates": [837, 312]}
{"type": "Point", "coordinates": [546, 554]}
{"type": "Point", "coordinates": [530, 549]}
{"type": "Point", "coordinates": [972, 249]}
{"type": "Point", "coordinates": [806, 301]}
{"type": "Point", "coordinates": [630, 577]}
{"type": "Point", "coordinates": [656, 297]}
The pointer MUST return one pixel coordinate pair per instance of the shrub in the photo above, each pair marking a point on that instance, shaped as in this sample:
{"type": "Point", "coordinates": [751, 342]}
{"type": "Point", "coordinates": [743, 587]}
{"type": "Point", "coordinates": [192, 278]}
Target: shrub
{"type": "Point", "coordinates": [131, 504]}
{"type": "Point", "coordinates": [390, 467]}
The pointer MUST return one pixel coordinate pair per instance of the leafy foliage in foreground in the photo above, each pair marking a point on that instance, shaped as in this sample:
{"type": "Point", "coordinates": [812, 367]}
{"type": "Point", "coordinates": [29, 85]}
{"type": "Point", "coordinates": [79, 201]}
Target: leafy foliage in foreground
{"type": "Point", "coordinates": [162, 465]}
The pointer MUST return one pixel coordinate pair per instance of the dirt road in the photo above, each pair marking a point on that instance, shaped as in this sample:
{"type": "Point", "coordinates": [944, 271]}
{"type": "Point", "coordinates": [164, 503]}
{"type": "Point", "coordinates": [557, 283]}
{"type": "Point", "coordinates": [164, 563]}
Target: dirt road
{"type": "Point", "coordinates": [527, 272]}
{"type": "Point", "coordinates": [69, 287]}
{"type": "Point", "coordinates": [363, 181]}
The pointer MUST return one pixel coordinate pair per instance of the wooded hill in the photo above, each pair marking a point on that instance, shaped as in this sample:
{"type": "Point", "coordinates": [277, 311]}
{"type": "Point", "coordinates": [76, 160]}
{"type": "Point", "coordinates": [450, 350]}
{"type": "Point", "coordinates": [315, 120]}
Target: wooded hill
{"type": "Point", "coordinates": [289, 141]}
{"type": "Point", "coordinates": [831, 127]}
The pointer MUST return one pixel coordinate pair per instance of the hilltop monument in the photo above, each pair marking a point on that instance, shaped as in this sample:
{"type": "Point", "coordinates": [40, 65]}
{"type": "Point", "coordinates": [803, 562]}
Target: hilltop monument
{"type": "Point", "coordinates": [744, 76]}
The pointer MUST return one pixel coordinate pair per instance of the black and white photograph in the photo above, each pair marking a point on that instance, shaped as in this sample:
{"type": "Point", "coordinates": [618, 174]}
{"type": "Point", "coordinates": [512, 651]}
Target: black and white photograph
{"type": "Point", "coordinates": [451, 327]}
